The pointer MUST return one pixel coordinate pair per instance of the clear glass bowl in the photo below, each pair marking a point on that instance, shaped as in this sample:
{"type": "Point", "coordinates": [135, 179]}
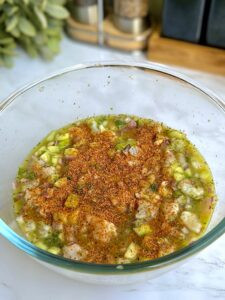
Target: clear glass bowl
{"type": "Point", "coordinates": [146, 90]}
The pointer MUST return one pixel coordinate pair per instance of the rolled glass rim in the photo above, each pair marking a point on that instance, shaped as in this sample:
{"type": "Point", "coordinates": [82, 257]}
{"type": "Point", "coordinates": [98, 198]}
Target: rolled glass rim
{"type": "Point", "coordinates": [161, 262]}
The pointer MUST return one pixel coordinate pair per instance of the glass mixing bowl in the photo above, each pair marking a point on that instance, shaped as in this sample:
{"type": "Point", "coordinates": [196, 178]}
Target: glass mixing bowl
{"type": "Point", "coordinates": [147, 90]}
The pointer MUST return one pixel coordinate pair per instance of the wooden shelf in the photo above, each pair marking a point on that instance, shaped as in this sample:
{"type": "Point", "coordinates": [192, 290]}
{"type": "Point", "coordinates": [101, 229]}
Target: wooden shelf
{"type": "Point", "coordinates": [82, 32]}
{"type": "Point", "coordinates": [184, 54]}
{"type": "Point", "coordinates": [111, 35]}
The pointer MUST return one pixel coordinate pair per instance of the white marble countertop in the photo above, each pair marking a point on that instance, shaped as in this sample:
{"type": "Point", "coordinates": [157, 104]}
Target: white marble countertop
{"type": "Point", "coordinates": [21, 278]}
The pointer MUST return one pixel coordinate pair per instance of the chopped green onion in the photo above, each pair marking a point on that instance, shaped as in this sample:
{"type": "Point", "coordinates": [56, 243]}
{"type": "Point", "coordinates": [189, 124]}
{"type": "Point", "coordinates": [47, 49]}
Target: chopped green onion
{"type": "Point", "coordinates": [153, 187]}
{"type": "Point", "coordinates": [119, 123]}
{"type": "Point", "coordinates": [45, 157]}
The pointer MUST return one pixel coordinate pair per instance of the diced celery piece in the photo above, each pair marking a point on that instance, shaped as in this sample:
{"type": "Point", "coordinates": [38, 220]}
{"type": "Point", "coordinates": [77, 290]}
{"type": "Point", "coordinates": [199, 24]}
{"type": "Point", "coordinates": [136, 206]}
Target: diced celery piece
{"type": "Point", "coordinates": [63, 137]}
{"type": "Point", "coordinates": [61, 236]}
{"type": "Point", "coordinates": [54, 250]}
{"type": "Point", "coordinates": [41, 245]}
{"type": "Point", "coordinates": [174, 166]}
{"type": "Point", "coordinates": [63, 144]}
{"type": "Point", "coordinates": [72, 201]}
{"type": "Point", "coordinates": [102, 128]}
{"type": "Point", "coordinates": [120, 146]}
{"type": "Point", "coordinates": [98, 125]}
{"type": "Point", "coordinates": [141, 122]}
{"type": "Point", "coordinates": [120, 123]}
{"type": "Point", "coordinates": [53, 149]}
{"type": "Point", "coordinates": [51, 136]}
{"type": "Point", "coordinates": [176, 134]}
{"type": "Point", "coordinates": [22, 172]}
{"type": "Point", "coordinates": [178, 144]}
{"type": "Point", "coordinates": [61, 182]}
{"type": "Point", "coordinates": [40, 151]}
{"type": "Point", "coordinates": [205, 176]}
{"type": "Point", "coordinates": [132, 251]}
{"type": "Point", "coordinates": [18, 205]}
{"type": "Point", "coordinates": [179, 170]}
{"type": "Point", "coordinates": [143, 229]}
{"type": "Point", "coordinates": [55, 160]}
{"type": "Point", "coordinates": [45, 157]}
{"type": "Point", "coordinates": [94, 126]}
{"type": "Point", "coordinates": [178, 176]}
{"type": "Point", "coordinates": [123, 143]}
{"type": "Point", "coordinates": [54, 177]}
{"type": "Point", "coordinates": [71, 152]}
{"type": "Point", "coordinates": [188, 172]}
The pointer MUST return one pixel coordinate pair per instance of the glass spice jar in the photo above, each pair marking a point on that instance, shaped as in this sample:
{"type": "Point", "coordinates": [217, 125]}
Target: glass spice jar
{"type": "Point", "coordinates": [85, 11]}
{"type": "Point", "coordinates": [131, 8]}
{"type": "Point", "coordinates": [131, 15]}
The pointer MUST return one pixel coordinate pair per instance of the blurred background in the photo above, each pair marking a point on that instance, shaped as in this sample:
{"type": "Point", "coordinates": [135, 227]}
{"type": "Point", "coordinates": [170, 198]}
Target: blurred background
{"type": "Point", "coordinates": [184, 33]}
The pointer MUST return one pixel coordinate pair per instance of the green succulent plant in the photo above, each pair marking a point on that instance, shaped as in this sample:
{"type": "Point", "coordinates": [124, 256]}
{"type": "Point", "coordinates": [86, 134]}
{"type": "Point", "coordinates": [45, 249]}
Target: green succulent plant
{"type": "Point", "coordinates": [36, 25]}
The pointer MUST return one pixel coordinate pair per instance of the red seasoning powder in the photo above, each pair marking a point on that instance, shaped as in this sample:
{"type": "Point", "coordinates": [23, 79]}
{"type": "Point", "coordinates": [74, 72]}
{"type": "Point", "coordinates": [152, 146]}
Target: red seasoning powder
{"type": "Point", "coordinates": [112, 183]}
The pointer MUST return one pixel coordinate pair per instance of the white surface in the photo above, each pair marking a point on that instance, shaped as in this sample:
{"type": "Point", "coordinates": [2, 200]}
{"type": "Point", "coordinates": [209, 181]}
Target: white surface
{"type": "Point", "coordinates": [21, 278]}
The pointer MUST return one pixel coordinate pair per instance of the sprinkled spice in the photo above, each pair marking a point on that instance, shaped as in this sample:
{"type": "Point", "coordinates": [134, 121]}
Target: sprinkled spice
{"type": "Point", "coordinates": [114, 189]}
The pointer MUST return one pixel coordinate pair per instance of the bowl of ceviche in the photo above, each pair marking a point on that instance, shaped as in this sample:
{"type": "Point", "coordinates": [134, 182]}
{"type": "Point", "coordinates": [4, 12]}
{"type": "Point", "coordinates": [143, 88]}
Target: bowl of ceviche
{"type": "Point", "coordinates": [112, 172]}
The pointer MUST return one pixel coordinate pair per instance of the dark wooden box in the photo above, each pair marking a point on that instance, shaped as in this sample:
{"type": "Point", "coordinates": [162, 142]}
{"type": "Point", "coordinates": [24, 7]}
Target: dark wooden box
{"type": "Point", "coordinates": [182, 19]}
{"type": "Point", "coordinates": [216, 24]}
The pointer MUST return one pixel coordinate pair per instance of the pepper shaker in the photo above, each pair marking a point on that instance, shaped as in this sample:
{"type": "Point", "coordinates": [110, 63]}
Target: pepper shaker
{"type": "Point", "coordinates": [131, 15]}
{"type": "Point", "coordinates": [85, 11]}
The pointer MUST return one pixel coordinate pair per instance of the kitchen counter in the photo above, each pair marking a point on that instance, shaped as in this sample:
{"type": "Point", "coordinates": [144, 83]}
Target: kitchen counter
{"type": "Point", "coordinates": [21, 278]}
